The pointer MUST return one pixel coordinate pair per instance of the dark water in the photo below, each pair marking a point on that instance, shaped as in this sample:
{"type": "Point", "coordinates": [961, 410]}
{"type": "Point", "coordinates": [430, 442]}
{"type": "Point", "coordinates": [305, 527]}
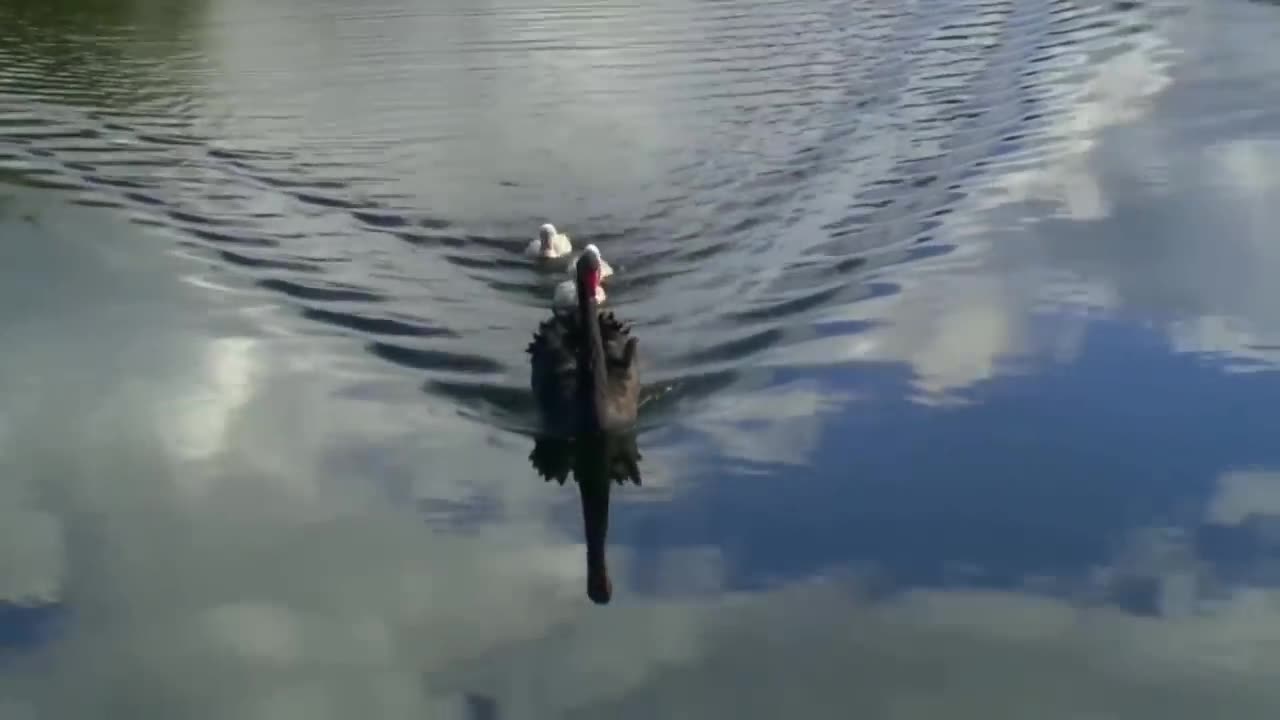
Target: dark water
{"type": "Point", "coordinates": [958, 322]}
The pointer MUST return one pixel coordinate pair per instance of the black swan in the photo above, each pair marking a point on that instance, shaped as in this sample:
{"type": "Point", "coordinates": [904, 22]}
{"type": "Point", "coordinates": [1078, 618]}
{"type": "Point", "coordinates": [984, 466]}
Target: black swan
{"type": "Point", "coordinates": [597, 462]}
{"type": "Point", "coordinates": [583, 364]}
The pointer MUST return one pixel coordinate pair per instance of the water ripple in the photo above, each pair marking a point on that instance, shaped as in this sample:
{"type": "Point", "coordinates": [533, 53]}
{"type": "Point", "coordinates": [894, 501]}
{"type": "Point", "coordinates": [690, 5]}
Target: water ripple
{"type": "Point", "coordinates": [748, 165]}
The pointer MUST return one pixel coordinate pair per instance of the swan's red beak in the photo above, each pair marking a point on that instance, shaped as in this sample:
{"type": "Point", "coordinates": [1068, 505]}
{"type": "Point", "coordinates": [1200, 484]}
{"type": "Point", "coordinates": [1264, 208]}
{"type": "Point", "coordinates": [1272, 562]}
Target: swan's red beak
{"type": "Point", "coordinates": [593, 280]}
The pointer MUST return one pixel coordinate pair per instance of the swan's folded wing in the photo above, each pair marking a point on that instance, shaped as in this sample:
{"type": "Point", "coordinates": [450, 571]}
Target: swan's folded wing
{"type": "Point", "coordinates": [616, 334]}
{"type": "Point", "coordinates": [552, 457]}
{"type": "Point", "coordinates": [553, 365]}
{"type": "Point", "coordinates": [625, 374]}
{"type": "Point", "coordinates": [624, 460]}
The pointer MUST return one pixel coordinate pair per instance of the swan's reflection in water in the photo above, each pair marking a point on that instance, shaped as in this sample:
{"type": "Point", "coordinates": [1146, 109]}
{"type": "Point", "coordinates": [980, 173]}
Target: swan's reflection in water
{"type": "Point", "coordinates": [597, 461]}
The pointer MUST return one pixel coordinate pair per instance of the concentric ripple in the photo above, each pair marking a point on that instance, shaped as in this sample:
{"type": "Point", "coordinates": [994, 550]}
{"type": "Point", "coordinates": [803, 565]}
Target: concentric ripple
{"type": "Point", "coordinates": [746, 164]}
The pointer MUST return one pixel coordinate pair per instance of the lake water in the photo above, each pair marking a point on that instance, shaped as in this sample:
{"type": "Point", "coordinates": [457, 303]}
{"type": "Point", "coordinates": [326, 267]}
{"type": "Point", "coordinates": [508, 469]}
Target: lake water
{"type": "Point", "coordinates": [958, 321]}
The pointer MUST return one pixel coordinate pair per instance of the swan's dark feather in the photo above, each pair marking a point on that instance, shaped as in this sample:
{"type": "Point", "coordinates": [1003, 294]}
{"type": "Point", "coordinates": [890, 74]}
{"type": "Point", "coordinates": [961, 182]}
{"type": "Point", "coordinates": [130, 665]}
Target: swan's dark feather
{"type": "Point", "coordinates": [615, 457]}
{"type": "Point", "coordinates": [554, 365]}
{"type": "Point", "coordinates": [612, 328]}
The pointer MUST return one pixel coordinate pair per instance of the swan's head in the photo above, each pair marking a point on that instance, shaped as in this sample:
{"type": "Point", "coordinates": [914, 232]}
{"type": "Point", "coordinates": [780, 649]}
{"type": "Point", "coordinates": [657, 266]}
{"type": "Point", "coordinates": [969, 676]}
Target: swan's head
{"type": "Point", "coordinates": [545, 233]}
{"type": "Point", "coordinates": [588, 270]}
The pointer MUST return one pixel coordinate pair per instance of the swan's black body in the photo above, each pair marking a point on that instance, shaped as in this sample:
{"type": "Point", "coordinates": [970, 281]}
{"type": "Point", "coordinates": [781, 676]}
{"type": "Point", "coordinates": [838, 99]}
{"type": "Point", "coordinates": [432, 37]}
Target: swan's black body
{"type": "Point", "coordinates": [583, 365]}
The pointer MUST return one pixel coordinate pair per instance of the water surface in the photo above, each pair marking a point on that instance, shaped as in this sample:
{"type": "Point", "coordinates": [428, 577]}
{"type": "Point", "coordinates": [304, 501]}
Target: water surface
{"type": "Point", "coordinates": [957, 322]}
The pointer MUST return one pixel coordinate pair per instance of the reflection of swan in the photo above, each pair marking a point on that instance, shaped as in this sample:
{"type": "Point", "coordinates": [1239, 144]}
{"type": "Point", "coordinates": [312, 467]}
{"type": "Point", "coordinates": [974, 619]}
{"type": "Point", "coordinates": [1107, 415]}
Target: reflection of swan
{"type": "Point", "coordinates": [549, 243]}
{"type": "Point", "coordinates": [566, 295]}
{"type": "Point", "coordinates": [583, 365]}
{"type": "Point", "coordinates": [480, 707]}
{"type": "Point", "coordinates": [597, 462]}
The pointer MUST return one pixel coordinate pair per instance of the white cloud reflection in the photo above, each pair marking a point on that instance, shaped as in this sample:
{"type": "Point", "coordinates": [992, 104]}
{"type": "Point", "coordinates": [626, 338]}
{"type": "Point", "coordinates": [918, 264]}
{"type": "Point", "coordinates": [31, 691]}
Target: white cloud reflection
{"type": "Point", "coordinates": [1245, 493]}
{"type": "Point", "coordinates": [953, 331]}
{"type": "Point", "coordinates": [31, 552]}
{"type": "Point", "coordinates": [967, 316]}
{"type": "Point", "coordinates": [1081, 106]}
{"type": "Point", "coordinates": [209, 511]}
{"type": "Point", "coordinates": [204, 413]}
{"type": "Point", "coordinates": [248, 598]}
{"type": "Point", "coordinates": [1233, 295]}
{"type": "Point", "coordinates": [1175, 209]}
{"type": "Point", "coordinates": [777, 424]}
{"type": "Point", "coordinates": [953, 326]}
{"type": "Point", "coordinates": [816, 648]}
{"type": "Point", "coordinates": [962, 654]}
{"type": "Point", "coordinates": [193, 500]}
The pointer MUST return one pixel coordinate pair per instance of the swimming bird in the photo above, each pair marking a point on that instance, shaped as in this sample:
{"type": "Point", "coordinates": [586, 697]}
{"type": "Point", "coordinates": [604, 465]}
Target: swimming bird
{"type": "Point", "coordinates": [549, 244]}
{"type": "Point", "coordinates": [583, 364]}
{"type": "Point", "coordinates": [565, 298]}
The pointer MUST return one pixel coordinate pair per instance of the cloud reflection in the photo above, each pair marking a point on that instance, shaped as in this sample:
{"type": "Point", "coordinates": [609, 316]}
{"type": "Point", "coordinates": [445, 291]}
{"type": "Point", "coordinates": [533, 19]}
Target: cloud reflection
{"type": "Point", "coordinates": [1163, 197]}
{"type": "Point", "coordinates": [1077, 651]}
{"type": "Point", "coordinates": [969, 315]}
{"type": "Point", "coordinates": [1115, 91]}
{"type": "Point", "coordinates": [780, 423]}
{"type": "Point", "coordinates": [200, 503]}
{"type": "Point", "coordinates": [957, 653]}
{"type": "Point", "coordinates": [31, 552]}
{"type": "Point", "coordinates": [251, 599]}
{"type": "Point", "coordinates": [285, 586]}
{"type": "Point", "coordinates": [1243, 494]}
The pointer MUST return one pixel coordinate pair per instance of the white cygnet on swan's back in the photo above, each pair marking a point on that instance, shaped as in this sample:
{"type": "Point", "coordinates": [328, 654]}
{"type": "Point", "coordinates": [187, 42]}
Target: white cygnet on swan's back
{"type": "Point", "coordinates": [549, 244]}
{"type": "Point", "coordinates": [566, 294]}
{"type": "Point", "coordinates": [566, 297]}
{"type": "Point", "coordinates": [605, 268]}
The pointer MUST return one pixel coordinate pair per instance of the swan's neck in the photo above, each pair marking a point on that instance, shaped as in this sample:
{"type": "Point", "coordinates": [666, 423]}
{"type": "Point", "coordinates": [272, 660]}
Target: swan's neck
{"type": "Point", "coordinates": [591, 363]}
{"type": "Point", "coordinates": [593, 489]}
